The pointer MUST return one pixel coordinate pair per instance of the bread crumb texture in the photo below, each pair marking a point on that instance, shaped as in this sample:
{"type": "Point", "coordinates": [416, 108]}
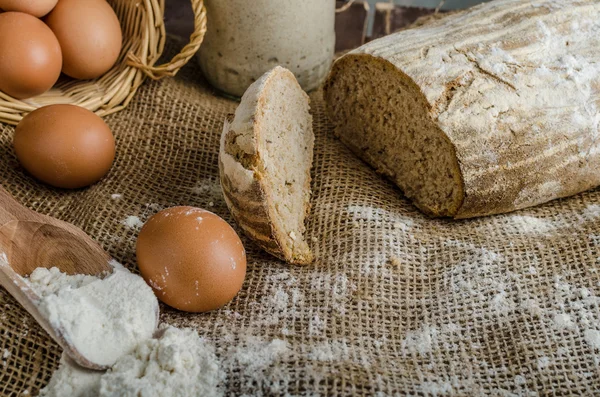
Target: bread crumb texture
{"type": "Point", "coordinates": [265, 160]}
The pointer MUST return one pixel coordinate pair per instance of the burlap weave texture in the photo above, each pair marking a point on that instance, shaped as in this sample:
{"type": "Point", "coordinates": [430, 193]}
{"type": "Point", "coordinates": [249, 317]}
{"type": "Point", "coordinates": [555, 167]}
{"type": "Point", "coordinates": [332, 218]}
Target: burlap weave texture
{"type": "Point", "coordinates": [395, 304]}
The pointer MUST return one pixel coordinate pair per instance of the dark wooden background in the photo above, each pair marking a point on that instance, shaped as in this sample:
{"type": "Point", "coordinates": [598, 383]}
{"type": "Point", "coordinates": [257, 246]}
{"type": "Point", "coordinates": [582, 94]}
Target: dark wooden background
{"type": "Point", "coordinates": [351, 25]}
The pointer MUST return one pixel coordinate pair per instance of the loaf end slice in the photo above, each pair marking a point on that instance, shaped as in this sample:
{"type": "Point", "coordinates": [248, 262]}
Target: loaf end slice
{"type": "Point", "coordinates": [265, 159]}
{"type": "Point", "coordinates": [383, 117]}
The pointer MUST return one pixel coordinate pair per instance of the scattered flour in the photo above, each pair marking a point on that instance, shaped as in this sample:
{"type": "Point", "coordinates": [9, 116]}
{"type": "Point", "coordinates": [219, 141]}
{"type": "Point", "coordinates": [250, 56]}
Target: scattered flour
{"type": "Point", "coordinates": [378, 217]}
{"type": "Point", "coordinates": [208, 187]}
{"type": "Point", "coordinates": [520, 380]}
{"type": "Point", "coordinates": [133, 222]}
{"type": "Point", "coordinates": [562, 321]}
{"type": "Point", "coordinates": [584, 292]}
{"type": "Point", "coordinates": [316, 325]}
{"type": "Point", "coordinates": [6, 354]}
{"type": "Point", "coordinates": [179, 363]}
{"type": "Point", "coordinates": [592, 337]}
{"type": "Point", "coordinates": [483, 275]}
{"type": "Point", "coordinates": [421, 341]}
{"type": "Point", "coordinates": [429, 337]}
{"type": "Point", "coordinates": [436, 388]}
{"type": "Point", "coordinates": [280, 303]}
{"type": "Point", "coordinates": [155, 207]}
{"type": "Point", "coordinates": [101, 324]}
{"type": "Point", "coordinates": [72, 380]}
{"type": "Point", "coordinates": [401, 226]}
{"type": "Point", "coordinates": [256, 354]}
{"type": "Point", "coordinates": [257, 360]}
{"type": "Point", "coordinates": [208, 190]}
{"type": "Point", "coordinates": [591, 212]}
{"type": "Point", "coordinates": [574, 310]}
{"type": "Point", "coordinates": [501, 303]}
{"type": "Point", "coordinates": [116, 196]}
{"type": "Point", "coordinates": [332, 351]}
{"type": "Point", "coordinates": [520, 225]}
{"type": "Point", "coordinates": [528, 225]}
{"type": "Point", "coordinates": [543, 362]}
{"type": "Point", "coordinates": [340, 350]}
{"type": "Point", "coordinates": [338, 288]}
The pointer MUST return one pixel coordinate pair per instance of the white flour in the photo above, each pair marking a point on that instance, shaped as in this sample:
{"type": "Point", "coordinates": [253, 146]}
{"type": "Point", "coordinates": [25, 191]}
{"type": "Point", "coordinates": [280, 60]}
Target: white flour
{"type": "Point", "coordinates": [72, 380]}
{"type": "Point", "coordinates": [428, 338]}
{"type": "Point", "coordinates": [592, 337]}
{"type": "Point", "coordinates": [133, 222]}
{"type": "Point", "coordinates": [101, 323]}
{"type": "Point", "coordinates": [111, 321]}
{"type": "Point", "coordinates": [330, 351]}
{"type": "Point", "coordinates": [47, 282]}
{"type": "Point", "coordinates": [179, 363]}
{"type": "Point", "coordinates": [527, 225]}
{"type": "Point", "coordinates": [259, 361]}
{"type": "Point", "coordinates": [380, 217]}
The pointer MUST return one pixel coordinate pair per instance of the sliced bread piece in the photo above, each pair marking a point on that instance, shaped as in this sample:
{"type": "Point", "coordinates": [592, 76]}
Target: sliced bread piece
{"type": "Point", "coordinates": [265, 159]}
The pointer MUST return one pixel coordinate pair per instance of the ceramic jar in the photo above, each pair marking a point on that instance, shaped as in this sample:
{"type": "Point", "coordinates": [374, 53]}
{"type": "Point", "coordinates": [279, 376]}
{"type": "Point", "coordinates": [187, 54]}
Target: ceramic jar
{"type": "Point", "coordinates": [247, 38]}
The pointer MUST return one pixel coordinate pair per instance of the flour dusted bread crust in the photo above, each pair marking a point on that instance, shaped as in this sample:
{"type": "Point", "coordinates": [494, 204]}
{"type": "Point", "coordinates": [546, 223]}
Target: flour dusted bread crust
{"type": "Point", "coordinates": [265, 159]}
{"type": "Point", "coordinates": [482, 112]}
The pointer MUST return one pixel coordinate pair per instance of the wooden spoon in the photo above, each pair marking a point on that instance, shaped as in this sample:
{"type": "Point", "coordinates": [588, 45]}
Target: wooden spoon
{"type": "Point", "coordinates": [29, 240]}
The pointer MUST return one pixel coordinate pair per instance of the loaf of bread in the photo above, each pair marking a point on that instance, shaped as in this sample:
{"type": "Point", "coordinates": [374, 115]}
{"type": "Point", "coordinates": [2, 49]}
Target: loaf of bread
{"type": "Point", "coordinates": [265, 160]}
{"type": "Point", "coordinates": [486, 111]}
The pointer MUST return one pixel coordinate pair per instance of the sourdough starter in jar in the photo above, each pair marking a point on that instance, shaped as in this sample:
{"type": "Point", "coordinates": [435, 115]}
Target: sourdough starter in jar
{"type": "Point", "coordinates": [246, 38]}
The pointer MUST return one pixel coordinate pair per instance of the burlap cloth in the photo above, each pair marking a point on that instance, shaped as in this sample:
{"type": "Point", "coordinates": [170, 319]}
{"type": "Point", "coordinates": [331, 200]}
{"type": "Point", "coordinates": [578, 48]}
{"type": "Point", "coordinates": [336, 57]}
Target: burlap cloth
{"type": "Point", "coordinates": [395, 304]}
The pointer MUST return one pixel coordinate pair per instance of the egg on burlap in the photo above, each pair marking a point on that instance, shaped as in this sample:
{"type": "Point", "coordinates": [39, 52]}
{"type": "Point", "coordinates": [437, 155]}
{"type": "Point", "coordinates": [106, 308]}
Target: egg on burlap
{"type": "Point", "coordinates": [193, 260]}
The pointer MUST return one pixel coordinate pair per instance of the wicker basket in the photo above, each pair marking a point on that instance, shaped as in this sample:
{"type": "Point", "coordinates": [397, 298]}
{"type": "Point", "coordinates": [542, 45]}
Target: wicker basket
{"type": "Point", "coordinates": [143, 43]}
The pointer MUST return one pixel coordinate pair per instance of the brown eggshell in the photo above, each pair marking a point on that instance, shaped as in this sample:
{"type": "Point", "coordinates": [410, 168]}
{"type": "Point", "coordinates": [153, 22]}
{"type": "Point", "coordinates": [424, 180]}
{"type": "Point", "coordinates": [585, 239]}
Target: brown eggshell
{"type": "Point", "coordinates": [30, 56]}
{"type": "Point", "coordinates": [89, 34]}
{"type": "Point", "coordinates": [64, 146]}
{"type": "Point", "coordinates": [37, 8]}
{"type": "Point", "coordinates": [192, 258]}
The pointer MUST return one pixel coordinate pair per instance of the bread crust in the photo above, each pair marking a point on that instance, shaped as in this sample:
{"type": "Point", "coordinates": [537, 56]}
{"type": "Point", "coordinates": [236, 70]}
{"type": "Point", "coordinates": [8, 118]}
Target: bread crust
{"type": "Point", "coordinates": [515, 87]}
{"type": "Point", "coordinates": [242, 180]}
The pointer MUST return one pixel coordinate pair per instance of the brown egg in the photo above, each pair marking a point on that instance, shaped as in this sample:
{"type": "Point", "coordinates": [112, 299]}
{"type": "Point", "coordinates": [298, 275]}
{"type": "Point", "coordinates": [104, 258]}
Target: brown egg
{"type": "Point", "coordinates": [89, 34]}
{"type": "Point", "coordinates": [64, 146]}
{"type": "Point", "coordinates": [37, 8]}
{"type": "Point", "coordinates": [30, 56]}
{"type": "Point", "coordinates": [192, 258]}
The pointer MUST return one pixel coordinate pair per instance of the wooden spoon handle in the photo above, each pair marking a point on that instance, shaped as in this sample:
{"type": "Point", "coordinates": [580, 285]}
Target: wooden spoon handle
{"type": "Point", "coordinates": [10, 209]}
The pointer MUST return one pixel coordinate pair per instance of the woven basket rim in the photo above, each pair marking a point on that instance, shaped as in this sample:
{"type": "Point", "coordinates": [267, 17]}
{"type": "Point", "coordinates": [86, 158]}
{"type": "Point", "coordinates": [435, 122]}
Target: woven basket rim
{"type": "Point", "coordinates": [114, 90]}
